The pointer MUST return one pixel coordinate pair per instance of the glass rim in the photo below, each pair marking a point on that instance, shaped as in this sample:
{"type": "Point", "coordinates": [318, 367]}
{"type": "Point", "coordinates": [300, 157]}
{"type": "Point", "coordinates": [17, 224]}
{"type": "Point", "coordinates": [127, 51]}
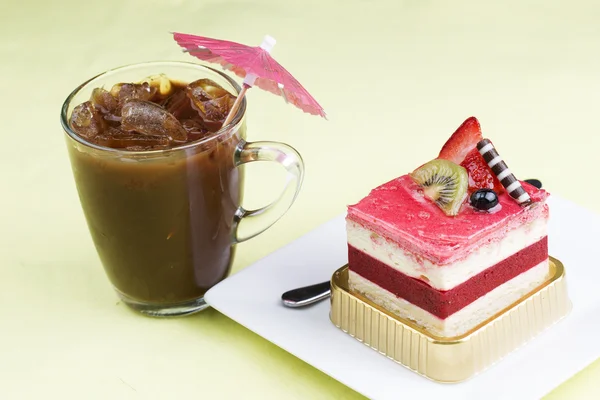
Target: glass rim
{"type": "Point", "coordinates": [236, 121]}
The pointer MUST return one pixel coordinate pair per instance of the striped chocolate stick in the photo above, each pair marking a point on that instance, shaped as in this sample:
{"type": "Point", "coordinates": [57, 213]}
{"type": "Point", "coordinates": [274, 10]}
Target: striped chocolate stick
{"type": "Point", "coordinates": [500, 169]}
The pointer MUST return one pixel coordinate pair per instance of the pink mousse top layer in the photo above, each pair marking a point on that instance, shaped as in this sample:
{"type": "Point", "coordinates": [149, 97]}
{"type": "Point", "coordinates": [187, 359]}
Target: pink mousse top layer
{"type": "Point", "coordinates": [398, 211]}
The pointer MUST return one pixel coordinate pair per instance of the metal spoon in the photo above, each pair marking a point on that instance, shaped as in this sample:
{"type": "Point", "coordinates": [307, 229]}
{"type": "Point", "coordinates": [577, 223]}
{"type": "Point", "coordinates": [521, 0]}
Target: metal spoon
{"type": "Point", "coordinates": [307, 295]}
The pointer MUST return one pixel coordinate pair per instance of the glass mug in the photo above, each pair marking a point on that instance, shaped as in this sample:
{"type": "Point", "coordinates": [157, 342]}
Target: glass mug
{"type": "Point", "coordinates": [165, 222]}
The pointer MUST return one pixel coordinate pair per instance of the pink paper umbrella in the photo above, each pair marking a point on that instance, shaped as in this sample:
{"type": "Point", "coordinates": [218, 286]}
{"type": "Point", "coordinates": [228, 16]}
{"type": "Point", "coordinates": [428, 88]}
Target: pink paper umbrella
{"type": "Point", "coordinates": [255, 65]}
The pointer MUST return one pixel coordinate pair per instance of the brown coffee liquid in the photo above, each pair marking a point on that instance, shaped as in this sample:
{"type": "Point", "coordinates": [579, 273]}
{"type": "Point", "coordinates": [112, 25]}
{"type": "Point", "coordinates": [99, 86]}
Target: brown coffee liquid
{"type": "Point", "coordinates": [163, 226]}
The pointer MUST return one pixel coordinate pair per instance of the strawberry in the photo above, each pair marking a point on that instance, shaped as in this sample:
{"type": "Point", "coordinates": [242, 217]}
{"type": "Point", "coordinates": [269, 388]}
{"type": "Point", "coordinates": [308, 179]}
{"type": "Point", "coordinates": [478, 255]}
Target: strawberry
{"type": "Point", "coordinates": [462, 141]}
{"type": "Point", "coordinates": [480, 174]}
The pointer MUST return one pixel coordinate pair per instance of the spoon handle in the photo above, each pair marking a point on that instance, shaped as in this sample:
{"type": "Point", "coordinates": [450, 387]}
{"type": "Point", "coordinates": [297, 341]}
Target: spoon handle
{"type": "Point", "coordinates": [306, 295]}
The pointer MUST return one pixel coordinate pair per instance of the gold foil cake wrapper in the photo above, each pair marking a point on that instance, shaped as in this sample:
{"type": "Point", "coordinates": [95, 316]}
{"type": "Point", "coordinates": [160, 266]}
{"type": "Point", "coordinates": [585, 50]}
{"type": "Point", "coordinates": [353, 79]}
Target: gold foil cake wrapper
{"type": "Point", "coordinates": [452, 359]}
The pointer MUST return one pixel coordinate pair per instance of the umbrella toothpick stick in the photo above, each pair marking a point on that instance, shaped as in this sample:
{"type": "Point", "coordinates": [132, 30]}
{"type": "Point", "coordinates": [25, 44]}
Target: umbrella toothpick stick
{"type": "Point", "coordinates": [239, 99]}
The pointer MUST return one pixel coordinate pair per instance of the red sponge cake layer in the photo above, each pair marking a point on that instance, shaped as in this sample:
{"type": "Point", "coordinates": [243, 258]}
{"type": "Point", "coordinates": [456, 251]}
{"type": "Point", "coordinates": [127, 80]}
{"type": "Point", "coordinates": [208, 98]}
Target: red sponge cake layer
{"type": "Point", "coordinates": [445, 303]}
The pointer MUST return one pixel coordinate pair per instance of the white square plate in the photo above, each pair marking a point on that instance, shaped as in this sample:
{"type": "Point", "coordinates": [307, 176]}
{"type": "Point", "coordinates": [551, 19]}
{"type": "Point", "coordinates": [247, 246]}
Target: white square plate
{"type": "Point", "coordinates": [252, 298]}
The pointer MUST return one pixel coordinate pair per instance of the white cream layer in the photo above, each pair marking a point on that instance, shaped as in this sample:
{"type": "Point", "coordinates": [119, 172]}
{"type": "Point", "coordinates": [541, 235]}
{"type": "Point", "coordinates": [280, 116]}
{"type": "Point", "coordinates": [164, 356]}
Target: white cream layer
{"type": "Point", "coordinates": [444, 277]}
{"type": "Point", "coordinates": [463, 320]}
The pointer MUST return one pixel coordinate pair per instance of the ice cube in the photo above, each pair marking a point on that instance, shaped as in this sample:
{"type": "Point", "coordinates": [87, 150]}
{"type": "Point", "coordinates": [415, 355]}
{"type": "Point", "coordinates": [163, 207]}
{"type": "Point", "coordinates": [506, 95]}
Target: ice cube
{"type": "Point", "coordinates": [103, 101]}
{"type": "Point", "coordinates": [206, 89]}
{"type": "Point", "coordinates": [149, 118]}
{"type": "Point", "coordinates": [132, 91]}
{"type": "Point", "coordinates": [216, 110]}
{"type": "Point", "coordinates": [195, 129]}
{"type": "Point", "coordinates": [86, 121]}
{"type": "Point", "coordinates": [117, 139]}
{"type": "Point", "coordinates": [180, 105]}
{"type": "Point", "coordinates": [194, 126]}
{"type": "Point", "coordinates": [211, 101]}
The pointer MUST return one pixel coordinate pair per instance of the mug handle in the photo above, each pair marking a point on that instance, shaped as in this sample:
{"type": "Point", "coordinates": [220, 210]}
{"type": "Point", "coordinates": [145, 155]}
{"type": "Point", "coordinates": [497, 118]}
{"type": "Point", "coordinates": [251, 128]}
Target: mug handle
{"type": "Point", "coordinates": [251, 223]}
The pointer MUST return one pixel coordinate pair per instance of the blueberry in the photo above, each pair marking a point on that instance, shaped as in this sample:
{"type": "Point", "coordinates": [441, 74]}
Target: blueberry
{"type": "Point", "coordinates": [535, 182]}
{"type": "Point", "coordinates": [484, 199]}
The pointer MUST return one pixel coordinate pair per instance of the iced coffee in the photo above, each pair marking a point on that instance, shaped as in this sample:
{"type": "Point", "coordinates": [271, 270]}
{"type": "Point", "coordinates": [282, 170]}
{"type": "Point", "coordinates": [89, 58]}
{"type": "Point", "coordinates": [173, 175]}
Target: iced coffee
{"type": "Point", "coordinates": [162, 228]}
{"type": "Point", "coordinates": [160, 179]}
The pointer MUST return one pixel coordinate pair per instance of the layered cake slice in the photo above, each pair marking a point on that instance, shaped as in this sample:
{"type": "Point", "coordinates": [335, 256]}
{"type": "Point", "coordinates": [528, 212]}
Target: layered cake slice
{"type": "Point", "coordinates": [452, 243]}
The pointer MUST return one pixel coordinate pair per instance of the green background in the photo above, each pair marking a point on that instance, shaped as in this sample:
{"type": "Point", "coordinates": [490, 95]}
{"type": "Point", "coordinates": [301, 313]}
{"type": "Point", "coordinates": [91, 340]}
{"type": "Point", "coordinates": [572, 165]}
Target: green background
{"type": "Point", "coordinates": [395, 77]}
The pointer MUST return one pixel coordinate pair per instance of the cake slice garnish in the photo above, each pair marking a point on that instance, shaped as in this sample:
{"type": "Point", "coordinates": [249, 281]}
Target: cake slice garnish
{"type": "Point", "coordinates": [484, 199]}
{"type": "Point", "coordinates": [462, 141]}
{"type": "Point", "coordinates": [443, 182]}
{"type": "Point", "coordinates": [512, 185]}
{"type": "Point", "coordinates": [461, 149]}
{"type": "Point", "coordinates": [480, 174]}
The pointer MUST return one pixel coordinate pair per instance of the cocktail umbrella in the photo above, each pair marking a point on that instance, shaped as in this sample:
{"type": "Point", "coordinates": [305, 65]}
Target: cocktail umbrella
{"type": "Point", "coordinates": [255, 65]}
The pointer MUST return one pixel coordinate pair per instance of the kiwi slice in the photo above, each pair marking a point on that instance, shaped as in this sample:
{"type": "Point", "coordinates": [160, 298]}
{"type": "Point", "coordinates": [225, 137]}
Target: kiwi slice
{"type": "Point", "coordinates": [443, 182]}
